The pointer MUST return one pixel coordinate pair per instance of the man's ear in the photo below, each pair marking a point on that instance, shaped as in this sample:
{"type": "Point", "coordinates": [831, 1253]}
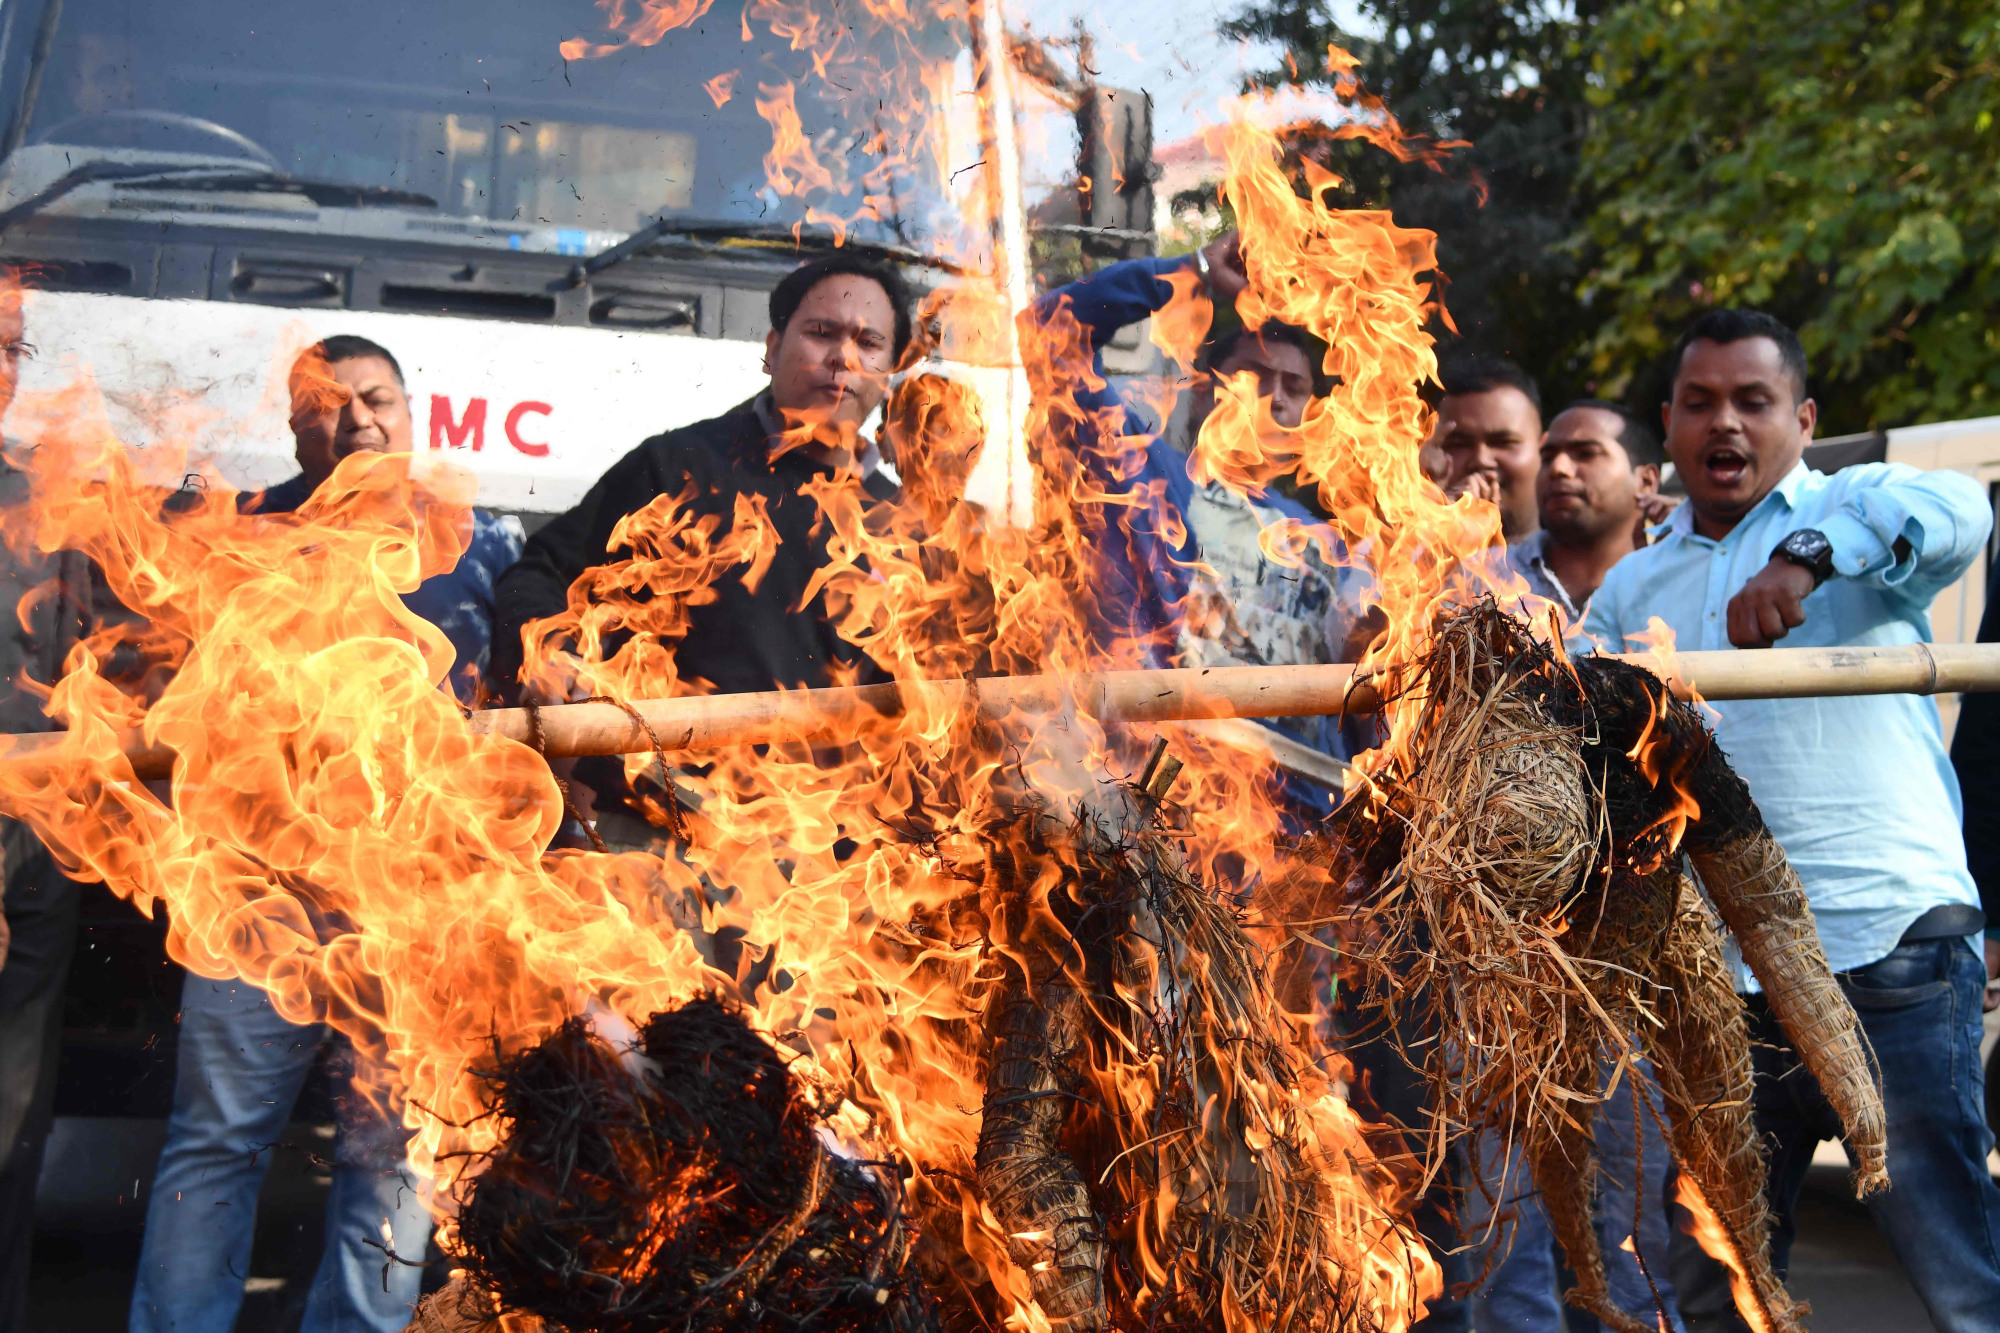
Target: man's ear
{"type": "Point", "coordinates": [1808, 418]}
{"type": "Point", "coordinates": [771, 341]}
{"type": "Point", "coordinates": [1648, 478]}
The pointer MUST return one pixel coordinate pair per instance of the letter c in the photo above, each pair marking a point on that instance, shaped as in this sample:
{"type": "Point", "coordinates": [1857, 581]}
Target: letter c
{"type": "Point", "coordinates": [528, 447]}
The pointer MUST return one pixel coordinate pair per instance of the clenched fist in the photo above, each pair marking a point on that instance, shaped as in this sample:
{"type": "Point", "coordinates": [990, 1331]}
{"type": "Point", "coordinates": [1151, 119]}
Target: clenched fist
{"type": "Point", "coordinates": [1770, 606]}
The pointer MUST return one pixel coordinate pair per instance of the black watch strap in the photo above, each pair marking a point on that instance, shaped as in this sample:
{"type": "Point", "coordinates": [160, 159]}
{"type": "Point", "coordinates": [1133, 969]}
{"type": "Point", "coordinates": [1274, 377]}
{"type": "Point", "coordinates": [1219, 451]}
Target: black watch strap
{"type": "Point", "coordinates": [1809, 549]}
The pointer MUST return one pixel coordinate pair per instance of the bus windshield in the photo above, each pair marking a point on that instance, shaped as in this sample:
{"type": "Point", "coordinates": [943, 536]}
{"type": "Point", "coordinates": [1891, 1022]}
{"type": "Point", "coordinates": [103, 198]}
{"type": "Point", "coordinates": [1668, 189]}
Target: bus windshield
{"type": "Point", "coordinates": [454, 119]}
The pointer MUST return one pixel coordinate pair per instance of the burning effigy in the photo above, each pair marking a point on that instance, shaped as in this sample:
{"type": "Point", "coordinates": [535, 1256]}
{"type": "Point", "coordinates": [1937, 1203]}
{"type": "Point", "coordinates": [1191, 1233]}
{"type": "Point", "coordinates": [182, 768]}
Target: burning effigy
{"type": "Point", "coordinates": [1525, 897]}
{"type": "Point", "coordinates": [1012, 1030]}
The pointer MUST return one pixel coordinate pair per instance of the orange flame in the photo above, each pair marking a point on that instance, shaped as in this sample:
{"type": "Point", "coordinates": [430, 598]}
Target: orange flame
{"type": "Point", "coordinates": [653, 20]}
{"type": "Point", "coordinates": [1716, 1242]}
{"type": "Point", "coordinates": [722, 87]}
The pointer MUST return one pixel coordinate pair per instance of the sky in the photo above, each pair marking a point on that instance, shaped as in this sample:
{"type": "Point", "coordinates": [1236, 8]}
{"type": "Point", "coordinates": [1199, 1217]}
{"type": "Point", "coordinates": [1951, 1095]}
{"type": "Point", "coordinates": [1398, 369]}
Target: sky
{"type": "Point", "coordinates": [1169, 48]}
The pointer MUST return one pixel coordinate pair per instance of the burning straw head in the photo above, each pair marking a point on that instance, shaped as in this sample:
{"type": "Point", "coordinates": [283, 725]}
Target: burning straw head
{"type": "Point", "coordinates": [682, 1182]}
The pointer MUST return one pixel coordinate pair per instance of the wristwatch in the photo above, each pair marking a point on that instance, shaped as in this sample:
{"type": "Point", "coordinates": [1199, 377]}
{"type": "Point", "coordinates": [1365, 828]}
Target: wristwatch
{"type": "Point", "coordinates": [1809, 549]}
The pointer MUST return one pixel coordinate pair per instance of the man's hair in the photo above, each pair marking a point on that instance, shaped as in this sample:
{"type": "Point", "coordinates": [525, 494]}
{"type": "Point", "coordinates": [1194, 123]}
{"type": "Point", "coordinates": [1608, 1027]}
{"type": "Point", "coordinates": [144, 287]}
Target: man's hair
{"type": "Point", "coordinates": [790, 294]}
{"type": "Point", "coordinates": [1731, 326]}
{"type": "Point", "coordinates": [1221, 347]}
{"type": "Point", "coordinates": [1639, 440]}
{"type": "Point", "coordinates": [352, 347]}
{"type": "Point", "coordinates": [1483, 374]}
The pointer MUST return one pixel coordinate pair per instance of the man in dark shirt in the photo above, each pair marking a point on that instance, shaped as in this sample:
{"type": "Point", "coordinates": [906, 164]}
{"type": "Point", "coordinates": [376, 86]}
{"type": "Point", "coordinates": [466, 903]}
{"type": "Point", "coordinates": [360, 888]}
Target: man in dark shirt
{"type": "Point", "coordinates": [240, 1065]}
{"type": "Point", "coordinates": [838, 326]}
{"type": "Point", "coordinates": [1975, 753]}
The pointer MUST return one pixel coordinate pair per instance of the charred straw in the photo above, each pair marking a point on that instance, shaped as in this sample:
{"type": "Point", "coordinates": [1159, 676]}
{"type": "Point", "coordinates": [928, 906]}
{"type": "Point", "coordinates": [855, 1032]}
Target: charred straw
{"type": "Point", "coordinates": [689, 1190]}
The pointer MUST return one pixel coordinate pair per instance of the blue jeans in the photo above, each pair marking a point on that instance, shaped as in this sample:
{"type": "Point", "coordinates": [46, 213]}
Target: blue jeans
{"type": "Point", "coordinates": [240, 1070]}
{"type": "Point", "coordinates": [1522, 1290]}
{"type": "Point", "coordinates": [1920, 1009]}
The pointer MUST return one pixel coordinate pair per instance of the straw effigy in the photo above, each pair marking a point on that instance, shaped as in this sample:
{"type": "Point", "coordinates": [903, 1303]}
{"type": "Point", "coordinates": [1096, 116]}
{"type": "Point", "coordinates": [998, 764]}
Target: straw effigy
{"type": "Point", "coordinates": [1523, 898]}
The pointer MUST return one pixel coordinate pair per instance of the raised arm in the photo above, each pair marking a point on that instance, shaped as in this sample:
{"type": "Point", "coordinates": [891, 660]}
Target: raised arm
{"type": "Point", "coordinates": [1111, 298]}
{"type": "Point", "coordinates": [1912, 531]}
{"type": "Point", "coordinates": [1891, 527]}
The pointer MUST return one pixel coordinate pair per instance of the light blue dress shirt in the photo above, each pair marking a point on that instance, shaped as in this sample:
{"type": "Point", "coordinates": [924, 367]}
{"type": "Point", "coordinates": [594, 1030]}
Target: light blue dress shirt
{"type": "Point", "coordinates": [1858, 791]}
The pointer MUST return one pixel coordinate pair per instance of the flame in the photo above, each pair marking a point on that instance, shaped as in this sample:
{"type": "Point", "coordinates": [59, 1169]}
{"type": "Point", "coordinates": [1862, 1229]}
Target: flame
{"type": "Point", "coordinates": [1715, 1241]}
{"type": "Point", "coordinates": [337, 834]}
{"type": "Point", "coordinates": [653, 20]}
{"type": "Point", "coordinates": [722, 87]}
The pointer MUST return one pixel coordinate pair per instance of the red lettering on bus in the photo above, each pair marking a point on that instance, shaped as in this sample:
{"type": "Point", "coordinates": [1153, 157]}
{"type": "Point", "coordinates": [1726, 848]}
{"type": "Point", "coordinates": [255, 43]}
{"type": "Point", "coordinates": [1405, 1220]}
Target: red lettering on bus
{"type": "Point", "coordinates": [528, 447]}
{"type": "Point", "coordinates": [473, 424]}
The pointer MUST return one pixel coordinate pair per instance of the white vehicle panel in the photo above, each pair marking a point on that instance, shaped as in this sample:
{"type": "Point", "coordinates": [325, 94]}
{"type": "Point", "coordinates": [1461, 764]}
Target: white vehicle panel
{"type": "Point", "coordinates": [536, 413]}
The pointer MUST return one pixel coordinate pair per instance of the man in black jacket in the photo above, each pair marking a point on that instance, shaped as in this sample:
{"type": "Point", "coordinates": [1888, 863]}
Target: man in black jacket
{"type": "Point", "coordinates": [838, 326]}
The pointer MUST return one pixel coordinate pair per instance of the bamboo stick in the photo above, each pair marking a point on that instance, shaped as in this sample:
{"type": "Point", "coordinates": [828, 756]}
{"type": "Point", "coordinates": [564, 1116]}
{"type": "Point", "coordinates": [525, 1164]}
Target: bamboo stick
{"type": "Point", "coordinates": [709, 722]}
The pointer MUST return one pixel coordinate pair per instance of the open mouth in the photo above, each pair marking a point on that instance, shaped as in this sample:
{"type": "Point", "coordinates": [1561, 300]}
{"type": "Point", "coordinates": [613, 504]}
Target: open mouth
{"type": "Point", "coordinates": [1726, 466]}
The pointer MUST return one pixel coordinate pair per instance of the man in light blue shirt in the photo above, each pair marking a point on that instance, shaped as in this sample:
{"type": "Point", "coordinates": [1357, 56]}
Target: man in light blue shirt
{"type": "Point", "coordinates": [1857, 790]}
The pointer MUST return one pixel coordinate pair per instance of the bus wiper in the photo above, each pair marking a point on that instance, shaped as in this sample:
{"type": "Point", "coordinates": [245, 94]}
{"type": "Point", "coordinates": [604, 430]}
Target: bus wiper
{"type": "Point", "coordinates": [93, 173]}
{"type": "Point", "coordinates": [207, 176]}
{"type": "Point", "coordinates": [325, 193]}
{"type": "Point", "coordinates": [777, 233]}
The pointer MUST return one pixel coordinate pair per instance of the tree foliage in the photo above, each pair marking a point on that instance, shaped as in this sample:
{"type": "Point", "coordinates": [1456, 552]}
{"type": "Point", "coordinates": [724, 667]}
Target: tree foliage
{"type": "Point", "coordinates": [1835, 162]}
{"type": "Point", "coordinates": [1510, 76]}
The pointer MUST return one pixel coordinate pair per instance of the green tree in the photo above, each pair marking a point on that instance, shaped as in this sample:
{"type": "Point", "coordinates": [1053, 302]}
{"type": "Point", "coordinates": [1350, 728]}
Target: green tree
{"type": "Point", "coordinates": [1511, 77]}
{"type": "Point", "coordinates": [1835, 162]}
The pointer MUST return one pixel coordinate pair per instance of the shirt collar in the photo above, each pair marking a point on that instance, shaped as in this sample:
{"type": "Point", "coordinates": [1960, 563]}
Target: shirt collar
{"type": "Point", "coordinates": [1533, 546]}
{"type": "Point", "coordinates": [1787, 490]}
{"type": "Point", "coordinates": [773, 426]}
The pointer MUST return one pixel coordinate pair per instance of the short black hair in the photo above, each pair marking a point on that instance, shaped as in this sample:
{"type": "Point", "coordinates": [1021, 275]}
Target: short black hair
{"type": "Point", "coordinates": [1635, 434]}
{"type": "Point", "coordinates": [1483, 374]}
{"type": "Point", "coordinates": [789, 294]}
{"type": "Point", "coordinates": [1732, 326]}
{"type": "Point", "coordinates": [1222, 346]}
{"type": "Point", "coordinates": [352, 347]}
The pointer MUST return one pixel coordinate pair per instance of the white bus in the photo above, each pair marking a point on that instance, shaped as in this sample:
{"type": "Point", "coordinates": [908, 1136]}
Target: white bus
{"type": "Point", "coordinates": [202, 189]}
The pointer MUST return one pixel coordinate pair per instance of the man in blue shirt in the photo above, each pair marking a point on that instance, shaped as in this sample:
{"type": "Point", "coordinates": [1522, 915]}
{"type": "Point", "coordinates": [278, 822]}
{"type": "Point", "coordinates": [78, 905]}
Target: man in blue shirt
{"type": "Point", "coordinates": [240, 1066]}
{"type": "Point", "coordinates": [1857, 790]}
{"type": "Point", "coordinates": [1184, 576]}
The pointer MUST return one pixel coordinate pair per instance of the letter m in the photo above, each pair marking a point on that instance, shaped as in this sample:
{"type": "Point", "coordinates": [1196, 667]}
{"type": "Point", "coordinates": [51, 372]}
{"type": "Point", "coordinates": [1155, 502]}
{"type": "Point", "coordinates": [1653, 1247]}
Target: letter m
{"type": "Point", "coordinates": [445, 431]}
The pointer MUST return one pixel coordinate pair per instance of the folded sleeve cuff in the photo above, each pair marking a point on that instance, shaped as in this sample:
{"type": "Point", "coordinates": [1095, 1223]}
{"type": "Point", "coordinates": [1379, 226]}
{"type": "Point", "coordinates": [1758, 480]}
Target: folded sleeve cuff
{"type": "Point", "coordinates": [1857, 548]}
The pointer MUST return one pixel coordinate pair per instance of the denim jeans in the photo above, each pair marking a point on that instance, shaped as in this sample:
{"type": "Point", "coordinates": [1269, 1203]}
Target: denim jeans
{"type": "Point", "coordinates": [1920, 1009]}
{"type": "Point", "coordinates": [1522, 1290]}
{"type": "Point", "coordinates": [240, 1070]}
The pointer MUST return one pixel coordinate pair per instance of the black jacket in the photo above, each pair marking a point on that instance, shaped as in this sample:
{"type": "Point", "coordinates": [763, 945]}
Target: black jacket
{"type": "Point", "coordinates": [1975, 753]}
{"type": "Point", "coordinates": [742, 641]}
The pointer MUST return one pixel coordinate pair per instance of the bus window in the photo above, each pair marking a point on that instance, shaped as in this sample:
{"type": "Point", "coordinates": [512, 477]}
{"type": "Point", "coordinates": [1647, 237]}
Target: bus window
{"type": "Point", "coordinates": [452, 119]}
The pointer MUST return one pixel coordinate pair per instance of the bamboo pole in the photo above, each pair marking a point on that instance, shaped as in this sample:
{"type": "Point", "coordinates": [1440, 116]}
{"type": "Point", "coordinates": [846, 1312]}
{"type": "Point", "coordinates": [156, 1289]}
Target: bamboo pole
{"type": "Point", "coordinates": [709, 722]}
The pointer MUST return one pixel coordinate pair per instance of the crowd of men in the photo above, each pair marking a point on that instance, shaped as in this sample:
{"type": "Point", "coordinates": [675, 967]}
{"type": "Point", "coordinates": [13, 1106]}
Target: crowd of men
{"type": "Point", "coordinates": [1859, 791]}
